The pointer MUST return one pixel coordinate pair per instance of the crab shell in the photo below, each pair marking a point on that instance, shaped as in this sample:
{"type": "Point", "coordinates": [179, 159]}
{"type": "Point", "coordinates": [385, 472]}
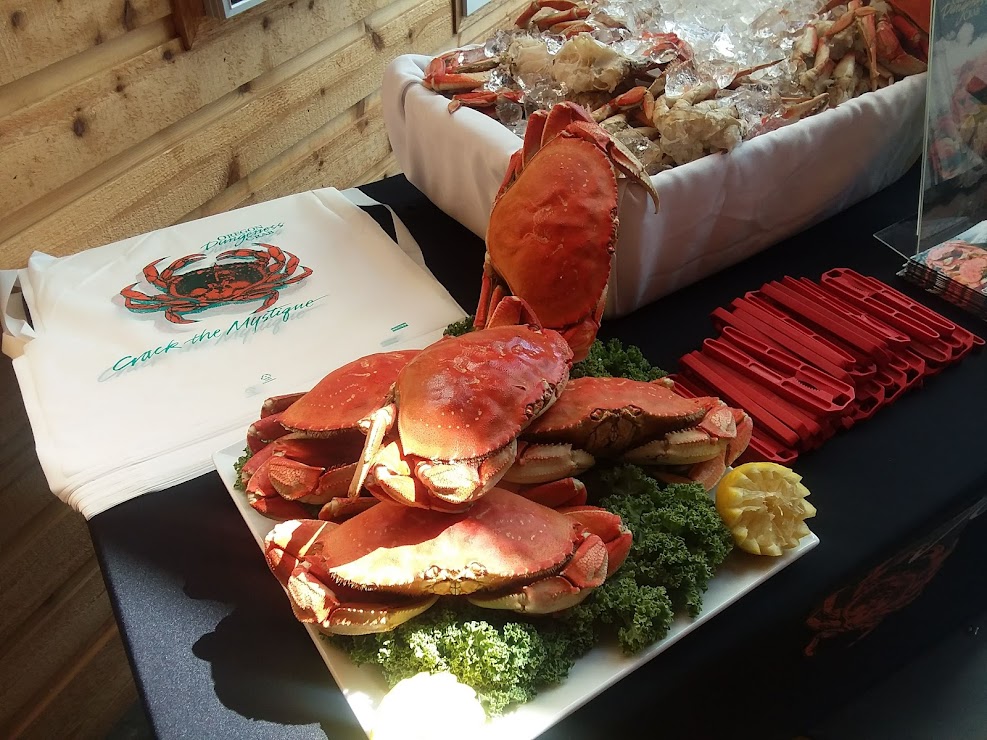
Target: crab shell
{"type": "Point", "coordinates": [645, 423]}
{"type": "Point", "coordinates": [459, 407]}
{"type": "Point", "coordinates": [390, 562]}
{"type": "Point", "coordinates": [553, 227]}
{"type": "Point", "coordinates": [346, 396]}
{"type": "Point", "coordinates": [608, 416]}
{"type": "Point", "coordinates": [306, 445]}
{"type": "Point", "coordinates": [464, 397]}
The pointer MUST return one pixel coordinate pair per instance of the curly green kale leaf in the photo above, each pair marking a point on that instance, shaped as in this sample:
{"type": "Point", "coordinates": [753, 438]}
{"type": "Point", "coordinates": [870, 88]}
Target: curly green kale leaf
{"type": "Point", "coordinates": [679, 538]}
{"type": "Point", "coordinates": [639, 613]}
{"type": "Point", "coordinates": [613, 360]}
{"type": "Point", "coordinates": [505, 661]}
{"type": "Point", "coordinates": [238, 467]}
{"type": "Point", "coordinates": [458, 328]}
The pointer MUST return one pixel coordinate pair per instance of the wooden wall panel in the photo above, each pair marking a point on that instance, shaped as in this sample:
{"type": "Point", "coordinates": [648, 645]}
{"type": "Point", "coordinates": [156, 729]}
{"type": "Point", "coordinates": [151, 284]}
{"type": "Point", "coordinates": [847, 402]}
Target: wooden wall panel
{"type": "Point", "coordinates": [185, 165]}
{"type": "Point", "coordinates": [83, 596]}
{"type": "Point", "coordinates": [34, 35]}
{"type": "Point", "coordinates": [63, 136]}
{"type": "Point", "coordinates": [23, 494]}
{"type": "Point", "coordinates": [110, 126]}
{"type": "Point", "coordinates": [86, 699]}
{"type": "Point", "coordinates": [39, 561]}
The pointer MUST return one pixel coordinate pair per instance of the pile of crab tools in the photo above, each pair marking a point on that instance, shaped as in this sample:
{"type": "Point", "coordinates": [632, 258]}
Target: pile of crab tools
{"type": "Point", "coordinates": [805, 359]}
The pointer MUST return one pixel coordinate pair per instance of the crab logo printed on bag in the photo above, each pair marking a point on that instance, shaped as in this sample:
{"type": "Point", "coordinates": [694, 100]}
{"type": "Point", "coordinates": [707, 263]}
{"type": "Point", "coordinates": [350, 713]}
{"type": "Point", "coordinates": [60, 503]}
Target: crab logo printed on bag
{"type": "Point", "coordinates": [236, 276]}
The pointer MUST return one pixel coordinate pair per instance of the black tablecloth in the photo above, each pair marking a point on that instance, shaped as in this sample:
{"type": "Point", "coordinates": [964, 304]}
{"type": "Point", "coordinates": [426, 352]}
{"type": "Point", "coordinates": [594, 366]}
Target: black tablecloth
{"type": "Point", "coordinates": [216, 651]}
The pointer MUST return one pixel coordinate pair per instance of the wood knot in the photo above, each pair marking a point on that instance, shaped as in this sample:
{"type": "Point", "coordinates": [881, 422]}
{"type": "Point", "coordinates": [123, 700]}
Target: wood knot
{"type": "Point", "coordinates": [16, 18]}
{"type": "Point", "coordinates": [376, 39]}
{"type": "Point", "coordinates": [129, 16]}
{"type": "Point", "coordinates": [79, 126]}
{"type": "Point", "coordinates": [233, 173]}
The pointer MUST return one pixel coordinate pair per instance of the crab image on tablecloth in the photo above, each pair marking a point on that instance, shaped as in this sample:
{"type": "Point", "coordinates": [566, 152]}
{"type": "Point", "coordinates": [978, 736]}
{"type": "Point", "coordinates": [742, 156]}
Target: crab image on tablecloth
{"type": "Point", "coordinates": [237, 276]}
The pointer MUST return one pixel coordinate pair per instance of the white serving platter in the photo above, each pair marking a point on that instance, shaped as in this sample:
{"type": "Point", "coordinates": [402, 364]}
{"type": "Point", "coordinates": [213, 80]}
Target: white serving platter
{"type": "Point", "coordinates": [364, 686]}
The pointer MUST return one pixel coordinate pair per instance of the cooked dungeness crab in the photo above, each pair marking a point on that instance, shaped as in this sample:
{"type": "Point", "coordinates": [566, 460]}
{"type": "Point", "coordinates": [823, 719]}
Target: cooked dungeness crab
{"type": "Point", "coordinates": [553, 227]}
{"type": "Point", "coordinates": [645, 423]}
{"type": "Point", "coordinates": [390, 563]}
{"type": "Point", "coordinates": [458, 408]}
{"type": "Point", "coordinates": [306, 445]}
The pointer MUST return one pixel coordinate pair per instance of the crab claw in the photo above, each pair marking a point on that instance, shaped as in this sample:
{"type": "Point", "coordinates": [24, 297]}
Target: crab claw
{"type": "Point", "coordinates": [334, 609]}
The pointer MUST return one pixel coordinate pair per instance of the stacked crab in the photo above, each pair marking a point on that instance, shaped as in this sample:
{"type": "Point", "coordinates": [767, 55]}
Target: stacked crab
{"type": "Point", "coordinates": [653, 92]}
{"type": "Point", "coordinates": [448, 471]}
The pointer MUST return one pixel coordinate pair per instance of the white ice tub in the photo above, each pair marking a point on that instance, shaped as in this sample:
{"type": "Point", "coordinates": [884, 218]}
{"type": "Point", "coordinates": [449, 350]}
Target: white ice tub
{"type": "Point", "coordinates": [714, 212]}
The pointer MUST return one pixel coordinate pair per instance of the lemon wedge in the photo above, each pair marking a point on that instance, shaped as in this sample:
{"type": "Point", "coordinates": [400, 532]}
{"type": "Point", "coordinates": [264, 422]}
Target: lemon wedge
{"type": "Point", "coordinates": [764, 505]}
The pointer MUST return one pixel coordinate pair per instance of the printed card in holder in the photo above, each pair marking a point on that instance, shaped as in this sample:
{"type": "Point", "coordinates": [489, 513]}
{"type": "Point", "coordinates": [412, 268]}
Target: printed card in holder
{"type": "Point", "coordinates": [943, 244]}
{"type": "Point", "coordinates": [167, 343]}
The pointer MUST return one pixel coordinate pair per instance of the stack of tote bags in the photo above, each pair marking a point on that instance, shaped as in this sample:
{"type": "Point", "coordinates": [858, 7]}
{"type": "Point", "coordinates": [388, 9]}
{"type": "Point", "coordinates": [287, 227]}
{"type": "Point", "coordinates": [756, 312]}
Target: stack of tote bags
{"type": "Point", "coordinates": [139, 359]}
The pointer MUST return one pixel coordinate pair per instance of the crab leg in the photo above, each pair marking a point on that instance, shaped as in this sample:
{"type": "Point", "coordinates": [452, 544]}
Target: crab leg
{"type": "Point", "coordinates": [277, 404]}
{"type": "Point", "coordinates": [536, 5]}
{"type": "Point", "coordinates": [543, 463]}
{"type": "Point", "coordinates": [264, 431]}
{"type": "Point", "coordinates": [554, 494]}
{"type": "Point", "coordinates": [262, 497]}
{"type": "Point", "coordinates": [379, 424]}
{"type": "Point", "coordinates": [339, 508]}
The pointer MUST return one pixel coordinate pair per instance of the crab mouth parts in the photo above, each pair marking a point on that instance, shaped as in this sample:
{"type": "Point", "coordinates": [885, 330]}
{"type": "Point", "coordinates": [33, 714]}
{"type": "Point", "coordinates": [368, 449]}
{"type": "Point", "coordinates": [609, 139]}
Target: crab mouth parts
{"type": "Point", "coordinates": [454, 581]}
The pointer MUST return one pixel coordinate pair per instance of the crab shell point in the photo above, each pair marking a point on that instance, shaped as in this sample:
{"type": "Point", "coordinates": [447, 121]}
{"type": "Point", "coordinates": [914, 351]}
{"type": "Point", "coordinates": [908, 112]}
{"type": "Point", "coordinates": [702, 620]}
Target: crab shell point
{"type": "Point", "coordinates": [552, 233]}
{"type": "Point", "coordinates": [393, 548]}
{"type": "Point", "coordinates": [347, 394]}
{"type": "Point", "coordinates": [465, 397]}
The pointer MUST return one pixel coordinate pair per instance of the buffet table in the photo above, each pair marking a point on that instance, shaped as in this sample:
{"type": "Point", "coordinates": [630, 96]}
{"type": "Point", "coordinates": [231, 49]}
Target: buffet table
{"type": "Point", "coordinates": [216, 651]}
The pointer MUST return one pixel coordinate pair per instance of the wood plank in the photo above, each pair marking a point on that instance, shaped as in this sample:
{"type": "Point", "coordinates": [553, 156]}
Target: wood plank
{"type": "Point", "coordinates": [64, 624]}
{"type": "Point", "coordinates": [46, 142]}
{"type": "Point", "coordinates": [387, 167]}
{"type": "Point", "coordinates": [36, 34]}
{"type": "Point", "coordinates": [190, 17]}
{"type": "Point", "coordinates": [32, 88]}
{"type": "Point", "coordinates": [281, 169]}
{"type": "Point", "coordinates": [24, 494]}
{"type": "Point", "coordinates": [193, 161]}
{"type": "Point", "coordinates": [312, 163]}
{"type": "Point", "coordinates": [70, 707]}
{"type": "Point", "coordinates": [38, 563]}
{"type": "Point", "coordinates": [338, 163]}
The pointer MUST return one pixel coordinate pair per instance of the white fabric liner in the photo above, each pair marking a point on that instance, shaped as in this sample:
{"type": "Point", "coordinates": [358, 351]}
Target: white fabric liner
{"type": "Point", "coordinates": [714, 212]}
{"type": "Point", "coordinates": [110, 426]}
